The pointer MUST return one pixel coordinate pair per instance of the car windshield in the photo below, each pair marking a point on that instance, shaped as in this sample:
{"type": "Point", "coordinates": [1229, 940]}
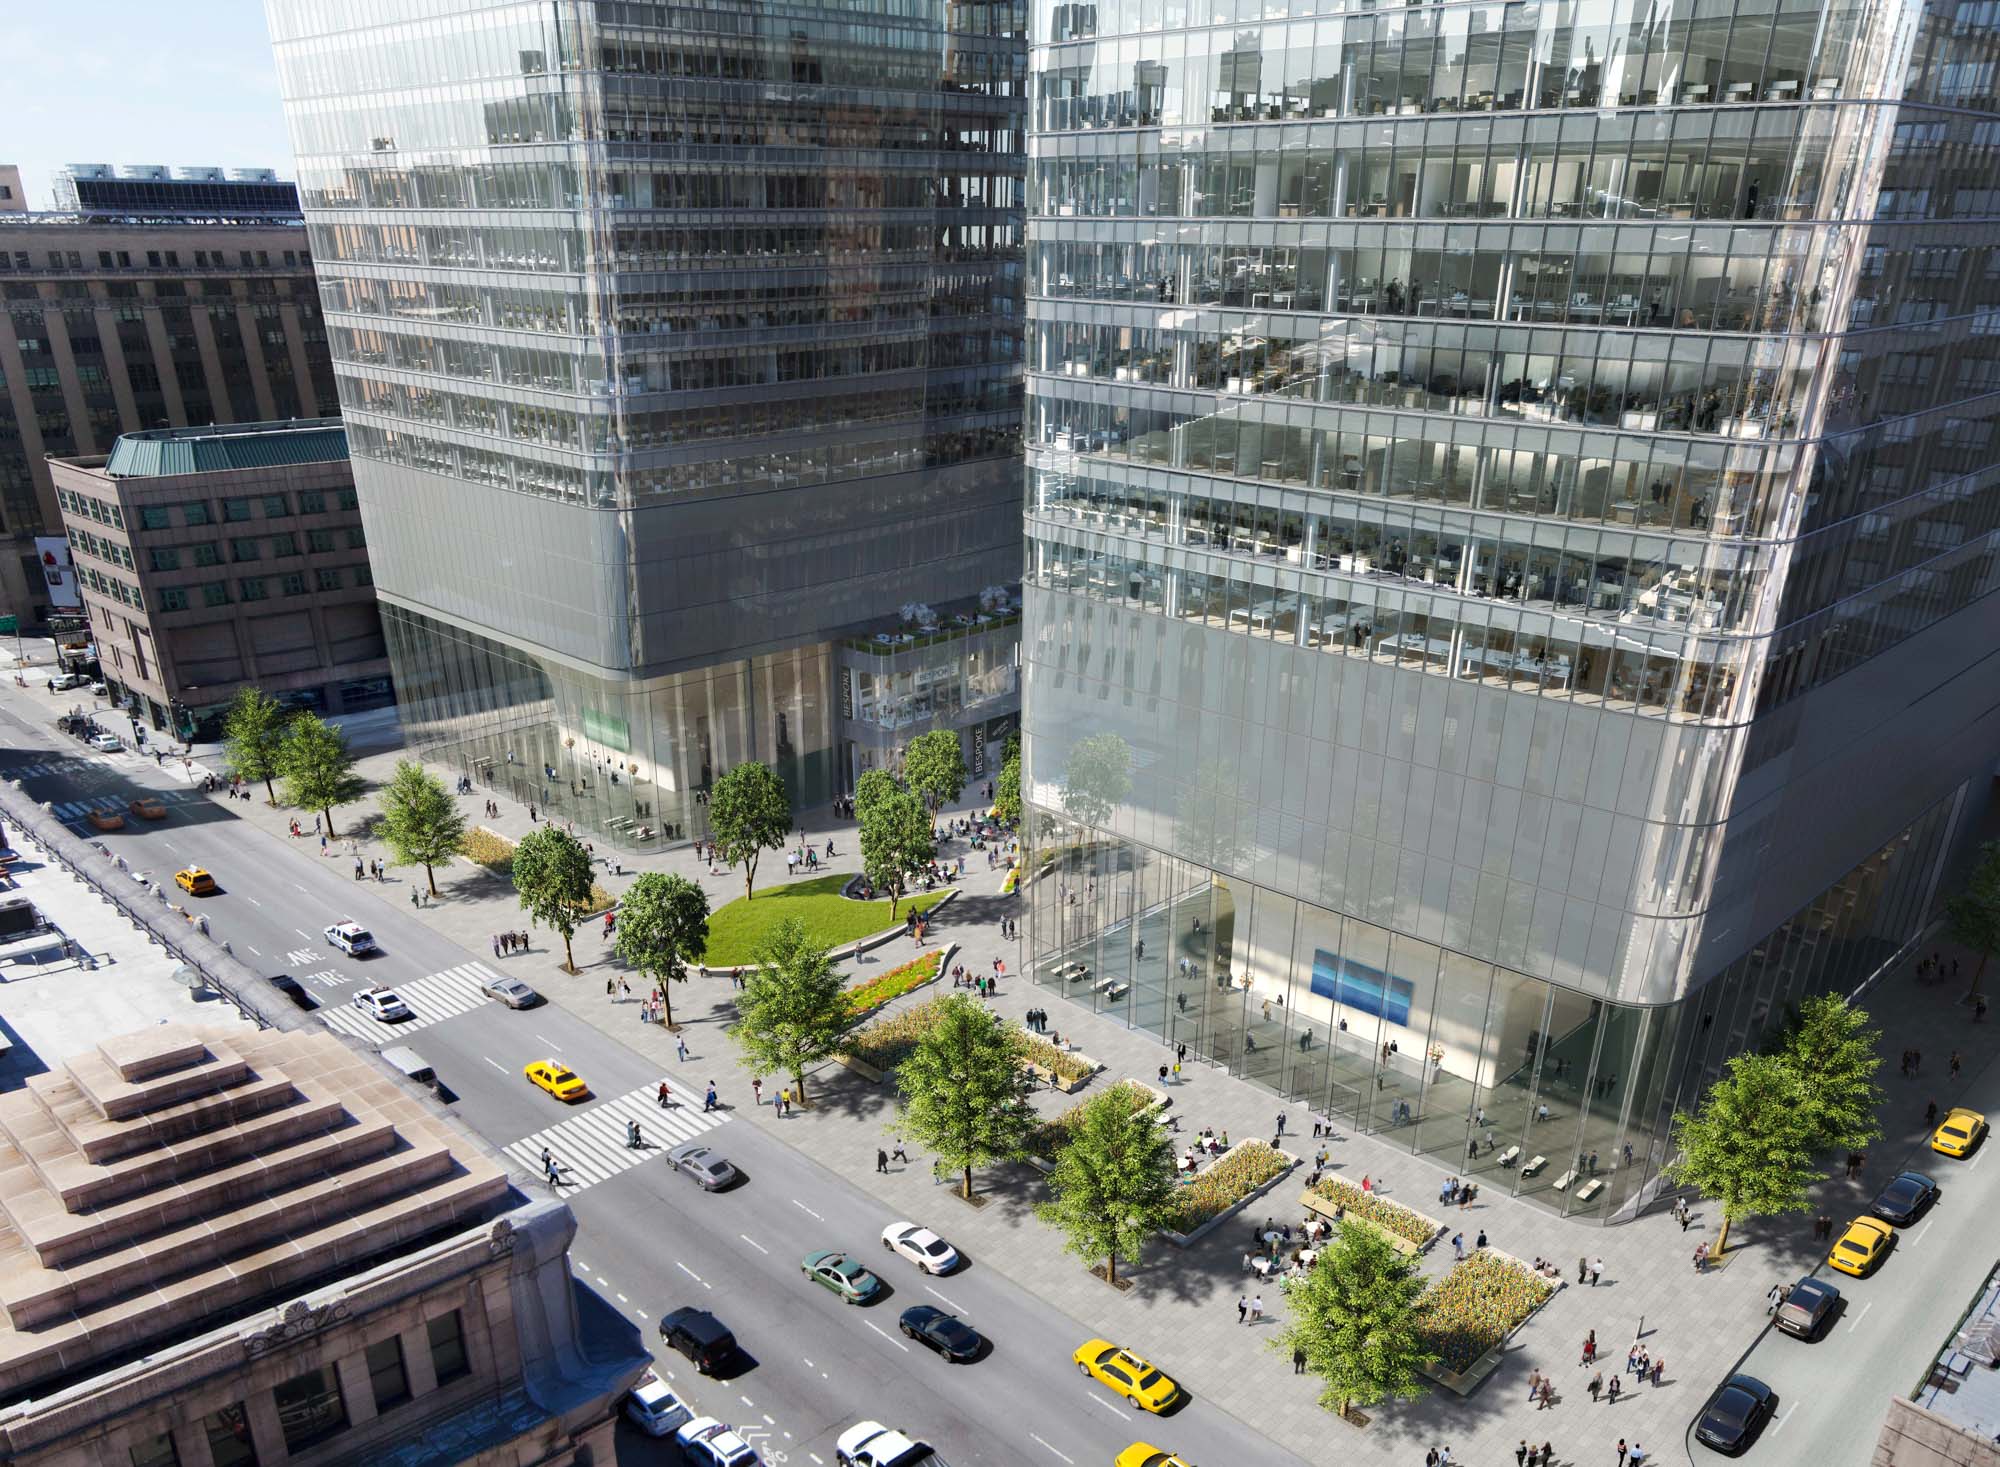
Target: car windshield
{"type": "Point", "coordinates": [847, 1268]}
{"type": "Point", "coordinates": [935, 1247]}
{"type": "Point", "coordinates": [562, 1076]}
{"type": "Point", "coordinates": [1153, 1377]}
{"type": "Point", "coordinates": [1731, 1408]}
{"type": "Point", "coordinates": [358, 934]}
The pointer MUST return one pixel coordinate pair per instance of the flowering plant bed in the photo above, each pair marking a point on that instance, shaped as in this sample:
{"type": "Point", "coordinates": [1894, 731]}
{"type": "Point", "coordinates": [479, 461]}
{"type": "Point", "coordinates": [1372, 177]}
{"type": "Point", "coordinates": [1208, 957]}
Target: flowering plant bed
{"type": "Point", "coordinates": [1406, 1228]}
{"type": "Point", "coordinates": [1243, 1172]}
{"type": "Point", "coordinates": [1471, 1310]}
{"type": "Point", "coordinates": [1063, 1069]}
{"type": "Point", "coordinates": [496, 853]}
{"type": "Point", "coordinates": [1049, 1138]}
{"type": "Point", "coordinates": [893, 984]}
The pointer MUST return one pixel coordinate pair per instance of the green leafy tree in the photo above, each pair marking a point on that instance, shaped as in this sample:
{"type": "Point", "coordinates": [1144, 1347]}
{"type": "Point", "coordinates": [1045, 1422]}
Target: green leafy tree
{"type": "Point", "coordinates": [1831, 1052]}
{"type": "Point", "coordinates": [1012, 748]}
{"type": "Point", "coordinates": [1113, 1184]}
{"type": "Point", "coordinates": [552, 875]}
{"type": "Point", "coordinates": [793, 1009]}
{"type": "Point", "coordinates": [316, 767]}
{"type": "Point", "coordinates": [964, 1093]}
{"type": "Point", "coordinates": [1007, 790]}
{"type": "Point", "coordinates": [934, 765]}
{"type": "Point", "coordinates": [1972, 914]}
{"type": "Point", "coordinates": [896, 839]}
{"type": "Point", "coordinates": [253, 732]}
{"type": "Point", "coordinates": [1097, 778]}
{"type": "Point", "coordinates": [662, 928]}
{"type": "Point", "coordinates": [420, 820]}
{"type": "Point", "coordinates": [1746, 1147]}
{"type": "Point", "coordinates": [1355, 1317]}
{"type": "Point", "coordinates": [873, 786]}
{"type": "Point", "coordinates": [749, 813]}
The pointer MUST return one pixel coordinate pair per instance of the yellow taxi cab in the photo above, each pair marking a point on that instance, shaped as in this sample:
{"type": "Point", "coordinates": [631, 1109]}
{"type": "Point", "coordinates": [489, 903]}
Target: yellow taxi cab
{"type": "Point", "coordinates": [148, 808]}
{"type": "Point", "coordinates": [558, 1080]}
{"type": "Point", "coordinates": [1861, 1247]}
{"type": "Point", "coordinates": [1140, 1454]}
{"type": "Point", "coordinates": [1961, 1131]}
{"type": "Point", "coordinates": [195, 881]}
{"type": "Point", "coordinates": [1139, 1381]}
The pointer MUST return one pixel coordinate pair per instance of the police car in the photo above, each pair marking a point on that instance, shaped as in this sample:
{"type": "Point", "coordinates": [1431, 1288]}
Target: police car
{"type": "Point", "coordinates": [381, 1004]}
{"type": "Point", "coordinates": [351, 937]}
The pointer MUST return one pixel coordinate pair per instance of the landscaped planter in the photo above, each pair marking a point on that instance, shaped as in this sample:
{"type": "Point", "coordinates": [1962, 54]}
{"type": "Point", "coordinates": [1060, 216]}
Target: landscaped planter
{"type": "Point", "coordinates": [862, 1068]}
{"type": "Point", "coordinates": [1203, 1229]}
{"type": "Point", "coordinates": [890, 986]}
{"type": "Point", "coordinates": [1146, 1099]}
{"type": "Point", "coordinates": [1485, 1298]}
{"type": "Point", "coordinates": [1329, 1206]}
{"type": "Point", "coordinates": [1068, 1084]}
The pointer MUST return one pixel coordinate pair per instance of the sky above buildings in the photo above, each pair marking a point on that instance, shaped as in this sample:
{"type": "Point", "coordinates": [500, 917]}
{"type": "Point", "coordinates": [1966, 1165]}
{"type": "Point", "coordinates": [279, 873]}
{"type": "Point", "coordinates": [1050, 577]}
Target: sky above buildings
{"type": "Point", "coordinates": [137, 81]}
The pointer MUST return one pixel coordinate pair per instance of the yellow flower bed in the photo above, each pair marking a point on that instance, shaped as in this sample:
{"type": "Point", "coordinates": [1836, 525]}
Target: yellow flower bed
{"type": "Point", "coordinates": [483, 848]}
{"type": "Point", "coordinates": [1476, 1306]}
{"type": "Point", "coordinates": [892, 984]}
{"type": "Point", "coordinates": [1049, 1138]}
{"type": "Point", "coordinates": [889, 1041]}
{"type": "Point", "coordinates": [1059, 1063]}
{"type": "Point", "coordinates": [1232, 1177]}
{"type": "Point", "coordinates": [1384, 1214]}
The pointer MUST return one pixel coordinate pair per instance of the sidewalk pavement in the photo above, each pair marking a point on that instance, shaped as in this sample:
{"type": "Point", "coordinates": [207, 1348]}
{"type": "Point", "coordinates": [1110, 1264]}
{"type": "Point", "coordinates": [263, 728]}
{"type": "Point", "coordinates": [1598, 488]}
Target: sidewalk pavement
{"type": "Point", "coordinates": [1181, 1313]}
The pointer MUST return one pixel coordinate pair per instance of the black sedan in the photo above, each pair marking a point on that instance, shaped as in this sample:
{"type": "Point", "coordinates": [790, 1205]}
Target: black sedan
{"type": "Point", "coordinates": [1735, 1413]}
{"type": "Point", "coordinates": [1905, 1198]}
{"type": "Point", "coordinates": [291, 988]}
{"type": "Point", "coordinates": [945, 1333]}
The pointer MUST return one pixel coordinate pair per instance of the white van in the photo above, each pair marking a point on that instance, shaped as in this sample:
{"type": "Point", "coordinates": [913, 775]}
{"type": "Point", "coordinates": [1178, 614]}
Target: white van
{"type": "Point", "coordinates": [654, 1407]}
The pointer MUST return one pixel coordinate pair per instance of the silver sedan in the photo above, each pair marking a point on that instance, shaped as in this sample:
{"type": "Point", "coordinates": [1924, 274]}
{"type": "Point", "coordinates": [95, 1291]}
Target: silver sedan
{"type": "Point", "coordinates": [510, 991]}
{"type": "Point", "coordinates": [704, 1164]}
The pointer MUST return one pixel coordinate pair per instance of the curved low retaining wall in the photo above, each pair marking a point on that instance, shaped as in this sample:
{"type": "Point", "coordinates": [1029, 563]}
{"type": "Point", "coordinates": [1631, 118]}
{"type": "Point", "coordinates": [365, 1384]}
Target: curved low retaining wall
{"type": "Point", "coordinates": [1183, 1240]}
{"type": "Point", "coordinates": [862, 1068]}
{"type": "Point", "coordinates": [1328, 1208]}
{"type": "Point", "coordinates": [1465, 1383]}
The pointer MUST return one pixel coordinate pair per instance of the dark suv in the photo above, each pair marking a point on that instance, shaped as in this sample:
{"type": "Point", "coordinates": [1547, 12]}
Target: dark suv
{"type": "Point", "coordinates": [701, 1337]}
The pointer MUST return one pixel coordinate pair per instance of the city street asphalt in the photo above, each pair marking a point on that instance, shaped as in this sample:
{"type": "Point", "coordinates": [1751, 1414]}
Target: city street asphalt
{"type": "Point", "coordinates": [648, 1239]}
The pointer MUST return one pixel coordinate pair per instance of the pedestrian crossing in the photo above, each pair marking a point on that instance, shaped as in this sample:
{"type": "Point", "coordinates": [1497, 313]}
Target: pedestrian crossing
{"type": "Point", "coordinates": [590, 1147]}
{"type": "Point", "coordinates": [73, 810]}
{"type": "Point", "coordinates": [431, 1000]}
{"type": "Point", "coordinates": [81, 764]}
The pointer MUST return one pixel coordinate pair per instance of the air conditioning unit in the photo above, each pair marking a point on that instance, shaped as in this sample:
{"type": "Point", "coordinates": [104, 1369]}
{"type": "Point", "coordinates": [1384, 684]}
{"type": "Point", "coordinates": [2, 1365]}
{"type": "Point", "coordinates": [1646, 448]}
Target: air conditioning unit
{"type": "Point", "coordinates": [149, 172]}
{"type": "Point", "coordinates": [200, 173]}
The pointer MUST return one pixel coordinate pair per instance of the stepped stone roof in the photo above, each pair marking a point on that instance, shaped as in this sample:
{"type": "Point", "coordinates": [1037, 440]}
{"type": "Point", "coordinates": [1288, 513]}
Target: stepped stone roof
{"type": "Point", "coordinates": [176, 1177]}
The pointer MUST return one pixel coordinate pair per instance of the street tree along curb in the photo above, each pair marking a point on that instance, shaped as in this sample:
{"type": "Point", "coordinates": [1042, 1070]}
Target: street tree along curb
{"type": "Point", "coordinates": [552, 875]}
{"type": "Point", "coordinates": [963, 1092]}
{"type": "Point", "coordinates": [661, 927]}
{"type": "Point", "coordinates": [317, 768]}
{"type": "Point", "coordinates": [421, 822]}
{"type": "Point", "coordinates": [793, 1008]}
{"type": "Point", "coordinates": [1112, 1186]}
{"type": "Point", "coordinates": [1745, 1148]}
{"type": "Point", "coordinates": [253, 733]}
{"type": "Point", "coordinates": [1354, 1317]}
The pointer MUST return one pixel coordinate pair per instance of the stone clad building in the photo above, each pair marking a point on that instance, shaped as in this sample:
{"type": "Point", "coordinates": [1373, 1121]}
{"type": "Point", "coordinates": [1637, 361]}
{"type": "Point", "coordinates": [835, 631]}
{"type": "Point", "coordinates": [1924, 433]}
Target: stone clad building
{"type": "Point", "coordinates": [236, 1248]}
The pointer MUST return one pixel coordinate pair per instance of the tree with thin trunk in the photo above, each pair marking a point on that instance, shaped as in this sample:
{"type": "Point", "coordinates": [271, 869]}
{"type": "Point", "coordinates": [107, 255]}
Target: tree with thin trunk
{"type": "Point", "coordinates": [1112, 1187]}
{"type": "Point", "coordinates": [964, 1093]}
{"type": "Point", "coordinates": [421, 821]}
{"type": "Point", "coordinates": [934, 765]}
{"type": "Point", "coordinates": [1007, 791]}
{"type": "Point", "coordinates": [253, 732]}
{"type": "Point", "coordinates": [1831, 1051]}
{"type": "Point", "coordinates": [896, 839]}
{"type": "Point", "coordinates": [1972, 914]}
{"type": "Point", "coordinates": [749, 813]}
{"type": "Point", "coordinates": [873, 786]}
{"type": "Point", "coordinates": [552, 875]}
{"type": "Point", "coordinates": [1355, 1318]}
{"type": "Point", "coordinates": [1097, 778]}
{"type": "Point", "coordinates": [1747, 1148]}
{"type": "Point", "coordinates": [793, 1008]}
{"type": "Point", "coordinates": [661, 928]}
{"type": "Point", "coordinates": [316, 767]}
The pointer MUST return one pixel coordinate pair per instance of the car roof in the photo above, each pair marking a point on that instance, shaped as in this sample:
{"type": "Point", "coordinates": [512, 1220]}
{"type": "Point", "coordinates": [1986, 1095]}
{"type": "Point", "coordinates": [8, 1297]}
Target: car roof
{"type": "Point", "coordinates": [1961, 1113]}
{"type": "Point", "coordinates": [652, 1390]}
{"type": "Point", "coordinates": [1817, 1287]}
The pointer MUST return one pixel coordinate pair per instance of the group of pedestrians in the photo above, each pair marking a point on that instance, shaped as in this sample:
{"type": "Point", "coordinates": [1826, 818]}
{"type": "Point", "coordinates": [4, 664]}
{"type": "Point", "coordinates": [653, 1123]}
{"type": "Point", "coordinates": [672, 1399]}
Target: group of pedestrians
{"type": "Point", "coordinates": [508, 943]}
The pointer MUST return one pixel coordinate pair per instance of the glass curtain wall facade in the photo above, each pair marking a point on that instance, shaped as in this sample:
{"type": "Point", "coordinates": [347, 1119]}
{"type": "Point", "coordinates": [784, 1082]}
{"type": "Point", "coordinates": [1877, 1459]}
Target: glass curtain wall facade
{"type": "Point", "coordinates": [669, 338]}
{"type": "Point", "coordinates": [1505, 483]}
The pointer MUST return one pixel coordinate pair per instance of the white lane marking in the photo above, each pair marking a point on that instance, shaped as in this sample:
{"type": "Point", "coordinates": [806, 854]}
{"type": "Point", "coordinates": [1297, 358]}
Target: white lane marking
{"type": "Point", "coordinates": [809, 1364]}
{"type": "Point", "coordinates": [772, 1421]}
{"type": "Point", "coordinates": [306, 935]}
{"type": "Point", "coordinates": [623, 1300]}
{"type": "Point", "coordinates": [807, 1210]}
{"type": "Point", "coordinates": [255, 903]}
{"type": "Point", "coordinates": [817, 1458]}
{"type": "Point", "coordinates": [761, 1249]}
{"type": "Point", "coordinates": [1070, 1460]}
{"type": "Point", "coordinates": [170, 845]}
{"type": "Point", "coordinates": [1780, 1424]}
{"type": "Point", "coordinates": [1970, 1165]}
{"type": "Point", "coordinates": [549, 1042]}
{"type": "Point", "coordinates": [692, 1274]}
{"type": "Point", "coordinates": [934, 1293]}
{"type": "Point", "coordinates": [1855, 1323]}
{"type": "Point", "coordinates": [297, 887]}
{"type": "Point", "coordinates": [253, 951]}
{"type": "Point", "coordinates": [1918, 1235]}
{"type": "Point", "coordinates": [495, 1063]}
{"type": "Point", "coordinates": [748, 1402]}
{"type": "Point", "coordinates": [640, 1312]}
{"type": "Point", "coordinates": [886, 1335]}
{"type": "Point", "coordinates": [577, 1261]}
{"type": "Point", "coordinates": [1106, 1405]}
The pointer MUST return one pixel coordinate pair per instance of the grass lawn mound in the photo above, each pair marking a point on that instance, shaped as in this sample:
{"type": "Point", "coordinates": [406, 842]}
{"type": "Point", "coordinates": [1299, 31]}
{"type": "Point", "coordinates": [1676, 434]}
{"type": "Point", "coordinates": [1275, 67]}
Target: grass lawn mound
{"type": "Point", "coordinates": [737, 930]}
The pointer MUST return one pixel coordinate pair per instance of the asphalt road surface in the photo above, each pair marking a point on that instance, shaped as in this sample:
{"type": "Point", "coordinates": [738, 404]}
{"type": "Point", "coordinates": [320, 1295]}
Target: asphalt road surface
{"type": "Point", "coordinates": [649, 1239]}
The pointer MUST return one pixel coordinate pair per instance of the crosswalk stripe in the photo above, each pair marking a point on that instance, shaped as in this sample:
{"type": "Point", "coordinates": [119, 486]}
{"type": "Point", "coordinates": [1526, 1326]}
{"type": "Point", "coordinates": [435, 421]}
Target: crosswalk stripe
{"type": "Point", "coordinates": [431, 1000]}
{"type": "Point", "coordinates": [590, 1146]}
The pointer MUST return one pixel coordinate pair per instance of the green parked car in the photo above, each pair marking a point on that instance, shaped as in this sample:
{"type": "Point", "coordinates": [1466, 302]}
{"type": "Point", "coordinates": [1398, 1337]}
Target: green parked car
{"type": "Point", "coordinates": [843, 1275]}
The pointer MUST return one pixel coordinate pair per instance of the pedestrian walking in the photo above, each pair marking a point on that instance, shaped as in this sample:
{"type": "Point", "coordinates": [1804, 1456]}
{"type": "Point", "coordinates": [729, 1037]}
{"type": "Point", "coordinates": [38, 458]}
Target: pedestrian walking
{"type": "Point", "coordinates": [1954, 1064]}
{"type": "Point", "coordinates": [1534, 1383]}
{"type": "Point", "coordinates": [1242, 1308]}
{"type": "Point", "coordinates": [1298, 1361]}
{"type": "Point", "coordinates": [1659, 1369]}
{"type": "Point", "coordinates": [1521, 1453]}
{"type": "Point", "coordinates": [1596, 1386]}
{"type": "Point", "coordinates": [708, 1100]}
{"type": "Point", "coordinates": [1621, 1452]}
{"type": "Point", "coordinates": [899, 1154]}
{"type": "Point", "coordinates": [881, 1160]}
{"type": "Point", "coordinates": [666, 1096]}
{"type": "Point", "coordinates": [1458, 1246]}
{"type": "Point", "coordinates": [1589, 1347]}
{"type": "Point", "coordinates": [1582, 1269]}
{"type": "Point", "coordinates": [1596, 1270]}
{"type": "Point", "coordinates": [1611, 1391]}
{"type": "Point", "coordinates": [757, 1089]}
{"type": "Point", "coordinates": [1548, 1396]}
{"type": "Point", "coordinates": [1281, 1123]}
{"type": "Point", "coordinates": [1256, 1308]}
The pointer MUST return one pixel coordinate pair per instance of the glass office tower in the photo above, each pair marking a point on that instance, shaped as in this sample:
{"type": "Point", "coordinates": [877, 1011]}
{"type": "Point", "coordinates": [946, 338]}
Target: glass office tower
{"type": "Point", "coordinates": [669, 338]}
{"type": "Point", "coordinates": [1512, 516]}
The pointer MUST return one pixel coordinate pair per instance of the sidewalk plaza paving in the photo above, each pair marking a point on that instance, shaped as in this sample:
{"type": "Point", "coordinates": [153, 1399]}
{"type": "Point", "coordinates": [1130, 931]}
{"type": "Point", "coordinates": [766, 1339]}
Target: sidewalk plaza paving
{"type": "Point", "coordinates": [1182, 1311]}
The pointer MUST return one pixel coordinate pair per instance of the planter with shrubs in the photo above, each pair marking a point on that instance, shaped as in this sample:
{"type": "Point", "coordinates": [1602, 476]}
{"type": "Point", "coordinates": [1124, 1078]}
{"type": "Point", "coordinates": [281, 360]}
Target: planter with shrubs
{"type": "Point", "coordinates": [1407, 1230]}
{"type": "Point", "coordinates": [1227, 1185]}
{"type": "Point", "coordinates": [1467, 1315]}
